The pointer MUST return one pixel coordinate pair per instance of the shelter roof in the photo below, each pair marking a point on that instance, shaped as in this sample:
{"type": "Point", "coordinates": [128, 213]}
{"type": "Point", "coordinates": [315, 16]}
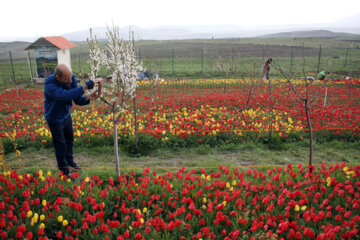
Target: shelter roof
{"type": "Point", "coordinates": [57, 41]}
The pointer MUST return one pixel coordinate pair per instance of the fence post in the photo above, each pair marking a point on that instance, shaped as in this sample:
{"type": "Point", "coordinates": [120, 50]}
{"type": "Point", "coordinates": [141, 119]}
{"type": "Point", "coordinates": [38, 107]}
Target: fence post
{"type": "Point", "coordinates": [318, 65]}
{"type": "Point", "coordinates": [263, 52]}
{"type": "Point", "coordinates": [12, 67]}
{"type": "Point", "coordinates": [30, 68]}
{"type": "Point", "coordinates": [173, 61]}
{"type": "Point", "coordinates": [346, 57]}
{"type": "Point", "coordinates": [202, 60]}
{"type": "Point", "coordinates": [4, 83]}
{"type": "Point", "coordinates": [80, 70]}
{"type": "Point", "coordinates": [139, 54]}
{"type": "Point", "coordinates": [291, 59]}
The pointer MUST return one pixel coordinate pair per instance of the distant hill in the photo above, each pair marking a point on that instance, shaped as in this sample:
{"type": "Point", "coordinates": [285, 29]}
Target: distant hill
{"type": "Point", "coordinates": [220, 31]}
{"type": "Point", "coordinates": [307, 34]}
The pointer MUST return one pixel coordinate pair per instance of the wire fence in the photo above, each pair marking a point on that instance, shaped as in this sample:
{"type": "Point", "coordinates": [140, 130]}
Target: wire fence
{"type": "Point", "coordinates": [19, 66]}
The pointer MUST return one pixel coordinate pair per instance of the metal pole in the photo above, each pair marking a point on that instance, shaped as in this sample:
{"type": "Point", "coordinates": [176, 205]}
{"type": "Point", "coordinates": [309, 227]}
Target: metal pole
{"type": "Point", "coordinates": [12, 67]}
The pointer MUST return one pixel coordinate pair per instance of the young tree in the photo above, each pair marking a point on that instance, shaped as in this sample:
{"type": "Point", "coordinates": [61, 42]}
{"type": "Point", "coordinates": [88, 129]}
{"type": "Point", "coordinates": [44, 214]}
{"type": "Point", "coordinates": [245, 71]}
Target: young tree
{"type": "Point", "coordinates": [306, 97]}
{"type": "Point", "coordinates": [227, 65]}
{"type": "Point", "coordinates": [251, 83]}
{"type": "Point", "coordinates": [265, 70]}
{"type": "Point", "coordinates": [119, 57]}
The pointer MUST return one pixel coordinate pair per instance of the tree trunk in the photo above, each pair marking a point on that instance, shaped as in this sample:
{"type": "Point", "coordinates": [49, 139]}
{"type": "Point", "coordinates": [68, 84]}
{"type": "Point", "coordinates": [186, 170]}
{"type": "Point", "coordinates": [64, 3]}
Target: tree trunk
{"type": "Point", "coordinates": [307, 109]}
{"type": "Point", "coordinates": [136, 128]}
{"type": "Point", "coordinates": [271, 107]}
{"type": "Point", "coordinates": [116, 150]}
{"type": "Point", "coordinates": [326, 90]}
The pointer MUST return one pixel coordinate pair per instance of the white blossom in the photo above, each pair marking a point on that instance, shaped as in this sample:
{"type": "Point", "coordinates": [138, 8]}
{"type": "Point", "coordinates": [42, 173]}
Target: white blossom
{"type": "Point", "coordinates": [118, 56]}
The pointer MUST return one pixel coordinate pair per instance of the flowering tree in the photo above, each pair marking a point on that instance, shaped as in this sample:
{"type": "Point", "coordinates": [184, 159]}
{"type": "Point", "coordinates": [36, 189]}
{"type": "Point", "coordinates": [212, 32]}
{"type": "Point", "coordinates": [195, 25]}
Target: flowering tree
{"type": "Point", "coordinates": [119, 57]}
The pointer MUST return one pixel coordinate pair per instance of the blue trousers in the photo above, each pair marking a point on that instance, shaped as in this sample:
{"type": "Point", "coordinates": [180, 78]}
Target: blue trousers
{"type": "Point", "coordinates": [63, 140]}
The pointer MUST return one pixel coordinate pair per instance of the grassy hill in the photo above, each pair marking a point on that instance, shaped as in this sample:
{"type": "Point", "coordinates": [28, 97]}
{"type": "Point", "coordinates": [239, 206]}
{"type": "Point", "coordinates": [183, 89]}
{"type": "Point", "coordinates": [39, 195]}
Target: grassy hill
{"type": "Point", "coordinates": [340, 54]}
{"type": "Point", "coordinates": [308, 34]}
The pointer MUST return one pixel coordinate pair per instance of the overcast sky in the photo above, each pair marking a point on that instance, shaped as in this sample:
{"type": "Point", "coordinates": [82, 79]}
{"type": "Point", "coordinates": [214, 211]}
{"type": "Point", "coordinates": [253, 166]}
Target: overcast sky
{"type": "Point", "coordinates": [36, 18]}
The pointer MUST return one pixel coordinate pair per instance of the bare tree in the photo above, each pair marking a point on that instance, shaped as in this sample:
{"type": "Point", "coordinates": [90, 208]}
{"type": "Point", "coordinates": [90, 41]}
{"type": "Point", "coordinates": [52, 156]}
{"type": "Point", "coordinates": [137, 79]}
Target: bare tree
{"type": "Point", "coordinates": [154, 81]}
{"type": "Point", "coordinates": [305, 97]}
{"type": "Point", "coordinates": [227, 66]}
{"type": "Point", "coordinates": [265, 70]}
{"type": "Point", "coordinates": [252, 73]}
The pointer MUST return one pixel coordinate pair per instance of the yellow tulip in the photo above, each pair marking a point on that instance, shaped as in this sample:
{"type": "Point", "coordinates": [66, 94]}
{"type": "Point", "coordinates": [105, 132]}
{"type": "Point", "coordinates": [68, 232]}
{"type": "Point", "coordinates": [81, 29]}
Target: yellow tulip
{"type": "Point", "coordinates": [65, 223]}
{"type": "Point", "coordinates": [29, 214]}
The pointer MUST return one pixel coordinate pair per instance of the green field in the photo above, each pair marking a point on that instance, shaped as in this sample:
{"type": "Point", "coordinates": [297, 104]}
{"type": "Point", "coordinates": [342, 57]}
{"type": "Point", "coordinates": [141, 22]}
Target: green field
{"type": "Point", "coordinates": [198, 58]}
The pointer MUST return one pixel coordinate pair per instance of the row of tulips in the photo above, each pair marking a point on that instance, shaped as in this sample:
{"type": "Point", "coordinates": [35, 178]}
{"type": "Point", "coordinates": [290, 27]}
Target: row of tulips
{"type": "Point", "coordinates": [288, 202]}
{"type": "Point", "coordinates": [196, 110]}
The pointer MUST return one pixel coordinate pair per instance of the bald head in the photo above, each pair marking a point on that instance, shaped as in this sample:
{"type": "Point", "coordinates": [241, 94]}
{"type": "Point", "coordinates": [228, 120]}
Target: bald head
{"type": "Point", "coordinates": [63, 73]}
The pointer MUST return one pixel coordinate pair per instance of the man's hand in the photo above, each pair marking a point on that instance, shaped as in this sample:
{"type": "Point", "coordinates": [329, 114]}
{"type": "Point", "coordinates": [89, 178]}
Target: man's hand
{"type": "Point", "coordinates": [92, 96]}
{"type": "Point", "coordinates": [98, 80]}
{"type": "Point", "coordinates": [89, 84]}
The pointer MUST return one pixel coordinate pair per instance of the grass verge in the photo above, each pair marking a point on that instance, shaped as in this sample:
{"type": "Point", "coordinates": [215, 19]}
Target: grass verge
{"type": "Point", "coordinates": [101, 158]}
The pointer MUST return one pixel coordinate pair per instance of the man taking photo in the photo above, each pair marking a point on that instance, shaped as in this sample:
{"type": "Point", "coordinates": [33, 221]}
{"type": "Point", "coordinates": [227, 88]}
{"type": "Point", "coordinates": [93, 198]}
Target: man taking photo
{"type": "Point", "coordinates": [60, 91]}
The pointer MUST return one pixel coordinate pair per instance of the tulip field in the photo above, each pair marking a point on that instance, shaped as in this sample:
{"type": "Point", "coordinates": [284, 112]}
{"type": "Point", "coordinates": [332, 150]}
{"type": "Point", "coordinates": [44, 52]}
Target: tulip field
{"type": "Point", "coordinates": [182, 113]}
{"type": "Point", "coordinates": [295, 201]}
{"type": "Point", "coordinates": [278, 203]}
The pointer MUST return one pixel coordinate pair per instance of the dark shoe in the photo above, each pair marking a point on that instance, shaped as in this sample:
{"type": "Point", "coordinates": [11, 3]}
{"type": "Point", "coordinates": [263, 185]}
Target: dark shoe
{"type": "Point", "coordinates": [75, 166]}
{"type": "Point", "coordinates": [69, 177]}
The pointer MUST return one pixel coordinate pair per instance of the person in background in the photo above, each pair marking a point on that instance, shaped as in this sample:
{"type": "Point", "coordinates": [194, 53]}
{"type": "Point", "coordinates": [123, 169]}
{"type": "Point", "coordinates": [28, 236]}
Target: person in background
{"type": "Point", "coordinates": [60, 90]}
{"type": "Point", "coordinates": [322, 75]}
{"type": "Point", "coordinates": [265, 70]}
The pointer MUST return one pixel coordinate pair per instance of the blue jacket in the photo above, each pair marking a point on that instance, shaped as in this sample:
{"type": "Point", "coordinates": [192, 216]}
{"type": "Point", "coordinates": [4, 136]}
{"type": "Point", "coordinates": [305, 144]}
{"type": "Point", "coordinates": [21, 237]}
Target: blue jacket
{"type": "Point", "coordinates": [58, 98]}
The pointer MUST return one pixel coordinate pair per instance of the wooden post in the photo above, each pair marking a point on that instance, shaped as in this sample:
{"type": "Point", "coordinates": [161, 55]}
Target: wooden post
{"type": "Point", "coordinates": [12, 67]}
{"type": "Point", "coordinates": [30, 68]}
